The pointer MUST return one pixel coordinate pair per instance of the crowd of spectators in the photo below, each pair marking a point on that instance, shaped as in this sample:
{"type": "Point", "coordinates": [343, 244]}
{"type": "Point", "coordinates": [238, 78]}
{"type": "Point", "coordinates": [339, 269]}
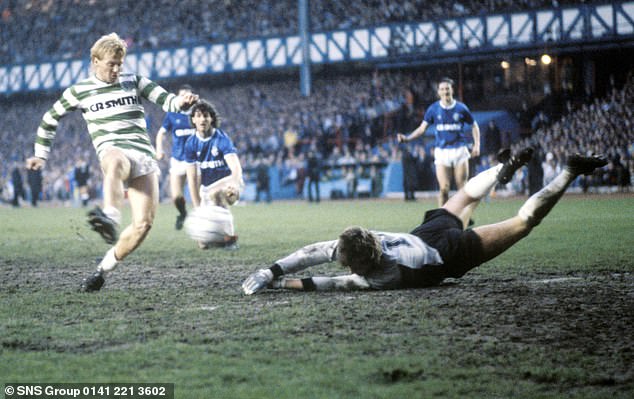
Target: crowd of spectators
{"type": "Point", "coordinates": [36, 30]}
{"type": "Point", "coordinates": [17, 134]}
{"type": "Point", "coordinates": [348, 120]}
{"type": "Point", "coordinates": [603, 126]}
{"type": "Point", "coordinates": [267, 120]}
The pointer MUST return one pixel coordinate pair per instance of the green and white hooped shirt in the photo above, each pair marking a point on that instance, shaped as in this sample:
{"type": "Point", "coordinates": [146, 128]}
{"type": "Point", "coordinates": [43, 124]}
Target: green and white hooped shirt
{"type": "Point", "coordinates": [113, 113]}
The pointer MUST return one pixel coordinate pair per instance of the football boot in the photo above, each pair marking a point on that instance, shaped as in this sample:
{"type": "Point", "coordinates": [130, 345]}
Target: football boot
{"type": "Point", "coordinates": [102, 224]}
{"type": "Point", "coordinates": [511, 163]}
{"type": "Point", "coordinates": [584, 165]}
{"type": "Point", "coordinates": [92, 283]}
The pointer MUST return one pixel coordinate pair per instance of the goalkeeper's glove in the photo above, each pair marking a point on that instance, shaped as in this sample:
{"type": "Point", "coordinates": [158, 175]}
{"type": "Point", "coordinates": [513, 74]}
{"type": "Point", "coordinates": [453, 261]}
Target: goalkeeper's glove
{"type": "Point", "coordinates": [257, 281]}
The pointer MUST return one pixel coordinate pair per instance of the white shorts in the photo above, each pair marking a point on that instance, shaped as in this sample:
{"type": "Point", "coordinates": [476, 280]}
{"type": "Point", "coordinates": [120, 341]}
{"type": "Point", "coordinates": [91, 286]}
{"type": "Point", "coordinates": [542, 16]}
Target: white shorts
{"type": "Point", "coordinates": [178, 168]}
{"type": "Point", "coordinates": [141, 164]}
{"type": "Point", "coordinates": [205, 197]}
{"type": "Point", "coordinates": [451, 157]}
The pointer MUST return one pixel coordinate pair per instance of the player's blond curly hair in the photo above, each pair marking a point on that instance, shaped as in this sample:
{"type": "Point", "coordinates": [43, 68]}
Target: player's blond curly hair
{"type": "Point", "coordinates": [110, 44]}
{"type": "Point", "coordinates": [359, 249]}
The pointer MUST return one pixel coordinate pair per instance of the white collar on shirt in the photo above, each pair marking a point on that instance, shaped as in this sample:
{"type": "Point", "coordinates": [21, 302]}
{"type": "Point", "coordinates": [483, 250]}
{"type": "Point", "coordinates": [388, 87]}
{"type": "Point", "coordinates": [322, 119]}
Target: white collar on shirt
{"type": "Point", "coordinates": [443, 106]}
{"type": "Point", "coordinates": [213, 132]}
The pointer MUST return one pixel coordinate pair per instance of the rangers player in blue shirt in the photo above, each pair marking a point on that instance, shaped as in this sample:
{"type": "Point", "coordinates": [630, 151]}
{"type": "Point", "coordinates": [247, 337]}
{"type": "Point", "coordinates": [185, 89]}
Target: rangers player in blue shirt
{"type": "Point", "coordinates": [214, 173]}
{"type": "Point", "coordinates": [436, 249]}
{"type": "Point", "coordinates": [180, 129]}
{"type": "Point", "coordinates": [452, 153]}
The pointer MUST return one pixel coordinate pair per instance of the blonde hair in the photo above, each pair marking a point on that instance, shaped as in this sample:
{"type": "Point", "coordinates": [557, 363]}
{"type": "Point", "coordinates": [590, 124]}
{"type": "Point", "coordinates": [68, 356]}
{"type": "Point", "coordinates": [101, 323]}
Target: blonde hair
{"type": "Point", "coordinates": [359, 249]}
{"type": "Point", "coordinates": [110, 44]}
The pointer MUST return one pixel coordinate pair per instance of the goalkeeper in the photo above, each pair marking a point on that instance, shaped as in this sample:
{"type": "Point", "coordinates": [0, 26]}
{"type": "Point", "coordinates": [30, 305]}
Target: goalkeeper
{"type": "Point", "coordinates": [214, 172]}
{"type": "Point", "coordinates": [437, 249]}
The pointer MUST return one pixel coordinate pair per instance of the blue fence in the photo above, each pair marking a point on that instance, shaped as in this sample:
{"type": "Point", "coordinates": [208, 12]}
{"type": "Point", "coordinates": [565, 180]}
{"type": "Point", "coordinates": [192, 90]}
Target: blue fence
{"type": "Point", "coordinates": [564, 29]}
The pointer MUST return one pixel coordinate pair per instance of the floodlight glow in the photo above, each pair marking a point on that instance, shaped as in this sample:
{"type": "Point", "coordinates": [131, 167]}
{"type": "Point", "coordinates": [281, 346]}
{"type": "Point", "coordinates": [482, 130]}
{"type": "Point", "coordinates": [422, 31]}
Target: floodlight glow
{"type": "Point", "coordinates": [546, 59]}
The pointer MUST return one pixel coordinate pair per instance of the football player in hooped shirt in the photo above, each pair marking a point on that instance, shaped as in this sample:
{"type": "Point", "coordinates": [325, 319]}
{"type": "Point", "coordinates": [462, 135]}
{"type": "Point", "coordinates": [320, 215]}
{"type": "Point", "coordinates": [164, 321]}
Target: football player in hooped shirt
{"type": "Point", "coordinates": [214, 173]}
{"type": "Point", "coordinates": [178, 125]}
{"type": "Point", "coordinates": [451, 154]}
{"type": "Point", "coordinates": [111, 102]}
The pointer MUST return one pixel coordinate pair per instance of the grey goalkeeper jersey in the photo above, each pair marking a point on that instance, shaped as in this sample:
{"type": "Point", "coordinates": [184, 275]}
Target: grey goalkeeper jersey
{"type": "Point", "coordinates": [113, 113]}
{"type": "Point", "coordinates": [399, 250]}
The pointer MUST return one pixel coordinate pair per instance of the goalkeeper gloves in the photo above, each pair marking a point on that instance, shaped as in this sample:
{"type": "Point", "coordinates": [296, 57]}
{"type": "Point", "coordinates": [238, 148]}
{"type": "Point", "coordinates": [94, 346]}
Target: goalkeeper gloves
{"type": "Point", "coordinates": [257, 281]}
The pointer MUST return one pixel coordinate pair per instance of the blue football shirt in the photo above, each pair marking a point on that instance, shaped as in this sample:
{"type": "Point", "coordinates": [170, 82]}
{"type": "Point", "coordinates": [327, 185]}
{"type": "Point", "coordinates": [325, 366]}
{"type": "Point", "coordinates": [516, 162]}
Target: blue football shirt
{"type": "Point", "coordinates": [209, 154]}
{"type": "Point", "coordinates": [178, 125]}
{"type": "Point", "coordinates": [449, 123]}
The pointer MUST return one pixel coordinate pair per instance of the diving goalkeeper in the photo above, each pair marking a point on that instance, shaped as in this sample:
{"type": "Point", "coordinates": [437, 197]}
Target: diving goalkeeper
{"type": "Point", "coordinates": [439, 248]}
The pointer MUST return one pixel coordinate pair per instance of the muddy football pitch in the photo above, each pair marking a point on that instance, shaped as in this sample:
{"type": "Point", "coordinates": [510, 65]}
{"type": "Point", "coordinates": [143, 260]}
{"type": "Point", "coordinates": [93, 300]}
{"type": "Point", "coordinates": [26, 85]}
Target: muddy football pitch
{"type": "Point", "coordinates": [551, 318]}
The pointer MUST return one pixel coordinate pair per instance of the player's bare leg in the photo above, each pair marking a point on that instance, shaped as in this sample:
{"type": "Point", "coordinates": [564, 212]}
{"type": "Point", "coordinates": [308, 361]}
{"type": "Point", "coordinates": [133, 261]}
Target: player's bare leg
{"type": "Point", "coordinates": [443, 176]}
{"type": "Point", "coordinates": [84, 195]}
{"type": "Point", "coordinates": [116, 169]}
{"type": "Point", "coordinates": [461, 175]}
{"type": "Point", "coordinates": [177, 182]}
{"type": "Point", "coordinates": [497, 238]}
{"type": "Point", "coordinates": [466, 199]}
{"type": "Point", "coordinates": [143, 196]}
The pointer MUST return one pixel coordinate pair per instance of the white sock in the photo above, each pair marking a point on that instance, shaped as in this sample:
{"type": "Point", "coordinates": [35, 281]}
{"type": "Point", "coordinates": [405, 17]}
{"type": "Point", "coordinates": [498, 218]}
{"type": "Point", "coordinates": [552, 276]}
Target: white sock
{"type": "Point", "coordinates": [540, 203]}
{"type": "Point", "coordinates": [481, 184]}
{"type": "Point", "coordinates": [113, 213]}
{"type": "Point", "coordinates": [109, 261]}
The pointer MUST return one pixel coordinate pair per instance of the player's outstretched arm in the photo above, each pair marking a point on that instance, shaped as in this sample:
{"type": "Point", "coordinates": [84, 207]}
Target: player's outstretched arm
{"type": "Point", "coordinates": [420, 130]}
{"type": "Point", "coordinates": [263, 278]}
{"type": "Point", "coordinates": [192, 184]}
{"type": "Point", "coordinates": [310, 255]}
{"type": "Point", "coordinates": [187, 100]}
{"type": "Point", "coordinates": [160, 136]}
{"type": "Point", "coordinates": [226, 191]}
{"type": "Point", "coordinates": [475, 132]}
{"type": "Point", "coordinates": [321, 283]}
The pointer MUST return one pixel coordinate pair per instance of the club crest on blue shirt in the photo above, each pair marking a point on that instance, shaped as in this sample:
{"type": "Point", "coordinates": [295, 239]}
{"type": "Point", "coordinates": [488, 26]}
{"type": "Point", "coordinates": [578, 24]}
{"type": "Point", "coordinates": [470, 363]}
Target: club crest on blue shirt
{"type": "Point", "coordinates": [214, 151]}
{"type": "Point", "coordinates": [456, 116]}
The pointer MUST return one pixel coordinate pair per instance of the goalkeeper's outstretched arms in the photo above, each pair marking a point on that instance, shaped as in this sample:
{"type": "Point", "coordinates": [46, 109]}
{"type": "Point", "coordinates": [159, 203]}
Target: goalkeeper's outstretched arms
{"type": "Point", "coordinates": [264, 278]}
{"type": "Point", "coordinates": [310, 255]}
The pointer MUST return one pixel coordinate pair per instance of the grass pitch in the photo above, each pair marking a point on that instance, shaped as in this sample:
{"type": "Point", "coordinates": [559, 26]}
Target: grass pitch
{"type": "Point", "coordinates": [550, 318]}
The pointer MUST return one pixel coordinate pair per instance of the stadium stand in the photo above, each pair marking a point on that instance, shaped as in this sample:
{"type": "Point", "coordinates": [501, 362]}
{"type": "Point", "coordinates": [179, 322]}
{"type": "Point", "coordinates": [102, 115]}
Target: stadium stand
{"type": "Point", "coordinates": [39, 30]}
{"type": "Point", "coordinates": [603, 125]}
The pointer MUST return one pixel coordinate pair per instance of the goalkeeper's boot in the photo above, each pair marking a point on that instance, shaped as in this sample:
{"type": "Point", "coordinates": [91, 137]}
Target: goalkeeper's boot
{"type": "Point", "coordinates": [584, 165]}
{"type": "Point", "coordinates": [102, 224]}
{"type": "Point", "coordinates": [94, 282]}
{"type": "Point", "coordinates": [511, 163]}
